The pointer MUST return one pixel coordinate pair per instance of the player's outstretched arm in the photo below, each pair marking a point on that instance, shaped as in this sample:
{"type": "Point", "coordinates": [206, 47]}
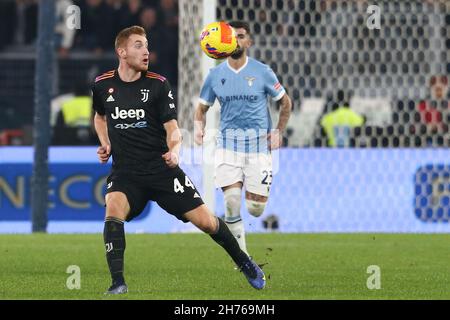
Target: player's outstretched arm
{"type": "Point", "coordinates": [276, 137]}
{"type": "Point", "coordinates": [200, 122]}
{"type": "Point", "coordinates": [174, 139]}
{"type": "Point", "coordinates": [104, 151]}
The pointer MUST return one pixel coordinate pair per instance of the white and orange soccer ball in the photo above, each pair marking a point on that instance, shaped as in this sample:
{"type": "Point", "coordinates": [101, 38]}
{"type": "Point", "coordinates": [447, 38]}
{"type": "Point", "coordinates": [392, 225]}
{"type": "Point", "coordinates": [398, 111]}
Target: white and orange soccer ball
{"type": "Point", "coordinates": [218, 40]}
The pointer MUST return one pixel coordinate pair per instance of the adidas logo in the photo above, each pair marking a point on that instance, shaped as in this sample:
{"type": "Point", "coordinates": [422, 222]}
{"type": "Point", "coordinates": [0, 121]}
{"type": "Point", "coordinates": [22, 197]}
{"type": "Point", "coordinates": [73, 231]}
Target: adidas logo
{"type": "Point", "coordinates": [196, 195]}
{"type": "Point", "coordinates": [110, 99]}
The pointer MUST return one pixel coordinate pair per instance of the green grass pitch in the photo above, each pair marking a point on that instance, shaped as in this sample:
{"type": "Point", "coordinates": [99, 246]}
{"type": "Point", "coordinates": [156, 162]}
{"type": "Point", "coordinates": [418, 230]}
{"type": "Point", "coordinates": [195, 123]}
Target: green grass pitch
{"type": "Point", "coordinates": [192, 266]}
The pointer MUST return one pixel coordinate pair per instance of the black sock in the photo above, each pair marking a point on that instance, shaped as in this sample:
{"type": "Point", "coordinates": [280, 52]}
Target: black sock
{"type": "Point", "coordinates": [114, 237]}
{"type": "Point", "coordinates": [225, 238]}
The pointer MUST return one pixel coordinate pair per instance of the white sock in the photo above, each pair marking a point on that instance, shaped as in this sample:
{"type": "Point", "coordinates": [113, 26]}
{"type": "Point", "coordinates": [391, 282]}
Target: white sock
{"type": "Point", "coordinates": [238, 231]}
{"type": "Point", "coordinates": [233, 218]}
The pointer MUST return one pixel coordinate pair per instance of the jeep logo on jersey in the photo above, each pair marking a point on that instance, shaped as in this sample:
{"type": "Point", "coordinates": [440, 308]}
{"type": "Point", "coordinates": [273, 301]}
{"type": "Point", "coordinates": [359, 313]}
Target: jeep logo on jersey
{"type": "Point", "coordinates": [130, 113]}
{"type": "Point", "coordinates": [144, 95]}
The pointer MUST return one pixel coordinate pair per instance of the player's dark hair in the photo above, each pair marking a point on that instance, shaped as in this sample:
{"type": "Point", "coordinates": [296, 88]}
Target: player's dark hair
{"type": "Point", "coordinates": [240, 25]}
{"type": "Point", "coordinates": [123, 35]}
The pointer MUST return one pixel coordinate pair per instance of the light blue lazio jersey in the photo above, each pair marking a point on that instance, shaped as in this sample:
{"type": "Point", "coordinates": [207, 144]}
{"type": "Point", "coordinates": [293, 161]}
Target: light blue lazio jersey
{"type": "Point", "coordinates": [242, 94]}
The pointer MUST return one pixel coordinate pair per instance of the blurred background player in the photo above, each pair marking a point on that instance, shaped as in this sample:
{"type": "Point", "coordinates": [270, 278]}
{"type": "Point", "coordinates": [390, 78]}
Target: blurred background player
{"type": "Point", "coordinates": [73, 118]}
{"type": "Point", "coordinates": [136, 122]}
{"type": "Point", "coordinates": [242, 85]}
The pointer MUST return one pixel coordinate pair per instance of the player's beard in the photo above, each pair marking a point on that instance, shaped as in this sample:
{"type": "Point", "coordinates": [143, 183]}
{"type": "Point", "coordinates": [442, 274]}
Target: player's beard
{"type": "Point", "coordinates": [238, 53]}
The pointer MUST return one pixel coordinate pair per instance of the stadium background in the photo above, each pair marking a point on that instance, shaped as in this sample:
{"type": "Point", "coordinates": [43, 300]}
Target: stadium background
{"type": "Point", "coordinates": [390, 174]}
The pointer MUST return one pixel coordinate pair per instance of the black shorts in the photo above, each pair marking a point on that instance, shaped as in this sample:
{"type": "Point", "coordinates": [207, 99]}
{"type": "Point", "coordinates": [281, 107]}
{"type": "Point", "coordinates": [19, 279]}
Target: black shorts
{"type": "Point", "coordinates": [172, 190]}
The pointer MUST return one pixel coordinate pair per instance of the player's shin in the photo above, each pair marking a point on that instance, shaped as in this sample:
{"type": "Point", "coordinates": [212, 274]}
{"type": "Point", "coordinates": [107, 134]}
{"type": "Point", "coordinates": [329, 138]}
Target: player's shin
{"type": "Point", "coordinates": [114, 237]}
{"type": "Point", "coordinates": [225, 238]}
{"type": "Point", "coordinates": [233, 218]}
{"type": "Point", "coordinates": [238, 231]}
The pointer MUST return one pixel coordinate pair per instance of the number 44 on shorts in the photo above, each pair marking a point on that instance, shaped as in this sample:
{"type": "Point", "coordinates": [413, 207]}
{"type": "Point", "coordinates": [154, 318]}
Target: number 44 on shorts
{"type": "Point", "coordinates": [177, 187]}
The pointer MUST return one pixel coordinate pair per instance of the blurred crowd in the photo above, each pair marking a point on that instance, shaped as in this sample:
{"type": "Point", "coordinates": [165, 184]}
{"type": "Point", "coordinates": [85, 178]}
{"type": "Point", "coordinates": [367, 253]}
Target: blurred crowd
{"type": "Point", "coordinates": [101, 20]}
{"type": "Point", "coordinates": [348, 122]}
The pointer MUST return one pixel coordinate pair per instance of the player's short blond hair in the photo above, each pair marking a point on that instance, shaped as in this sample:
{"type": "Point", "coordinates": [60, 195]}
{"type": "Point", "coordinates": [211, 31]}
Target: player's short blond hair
{"type": "Point", "coordinates": [122, 36]}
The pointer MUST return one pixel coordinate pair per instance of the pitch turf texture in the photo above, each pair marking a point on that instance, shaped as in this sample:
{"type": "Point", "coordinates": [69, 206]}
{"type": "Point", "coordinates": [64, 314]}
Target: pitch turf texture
{"type": "Point", "coordinates": [192, 266]}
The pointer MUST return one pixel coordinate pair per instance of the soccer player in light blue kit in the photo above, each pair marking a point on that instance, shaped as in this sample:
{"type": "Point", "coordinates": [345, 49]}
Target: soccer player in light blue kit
{"type": "Point", "coordinates": [242, 86]}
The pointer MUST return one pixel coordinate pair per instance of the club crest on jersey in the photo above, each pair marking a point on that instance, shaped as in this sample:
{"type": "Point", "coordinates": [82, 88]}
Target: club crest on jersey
{"type": "Point", "coordinates": [144, 93]}
{"type": "Point", "coordinates": [223, 81]}
{"type": "Point", "coordinates": [250, 80]}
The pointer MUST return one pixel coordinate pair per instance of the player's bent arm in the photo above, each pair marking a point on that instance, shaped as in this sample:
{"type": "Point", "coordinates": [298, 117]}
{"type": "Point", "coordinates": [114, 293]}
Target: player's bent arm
{"type": "Point", "coordinates": [101, 128]}
{"type": "Point", "coordinates": [200, 115]}
{"type": "Point", "coordinates": [200, 122]}
{"type": "Point", "coordinates": [285, 104]}
{"type": "Point", "coordinates": [174, 137]}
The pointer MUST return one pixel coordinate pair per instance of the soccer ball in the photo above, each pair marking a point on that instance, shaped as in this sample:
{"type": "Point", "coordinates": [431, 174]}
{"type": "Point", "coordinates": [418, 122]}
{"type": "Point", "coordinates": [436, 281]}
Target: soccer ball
{"type": "Point", "coordinates": [218, 40]}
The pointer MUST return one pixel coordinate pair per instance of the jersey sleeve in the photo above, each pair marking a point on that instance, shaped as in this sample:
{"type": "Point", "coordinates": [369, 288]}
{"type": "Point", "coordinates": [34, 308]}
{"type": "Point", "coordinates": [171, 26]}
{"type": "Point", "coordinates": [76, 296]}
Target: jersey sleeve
{"type": "Point", "coordinates": [97, 103]}
{"type": "Point", "coordinates": [207, 95]}
{"type": "Point", "coordinates": [166, 105]}
{"type": "Point", "coordinates": [272, 86]}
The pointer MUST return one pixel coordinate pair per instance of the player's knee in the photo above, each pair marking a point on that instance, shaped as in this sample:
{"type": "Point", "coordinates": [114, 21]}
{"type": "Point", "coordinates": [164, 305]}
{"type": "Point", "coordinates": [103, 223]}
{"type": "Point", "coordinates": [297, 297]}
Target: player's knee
{"type": "Point", "coordinates": [232, 198]}
{"type": "Point", "coordinates": [113, 209]}
{"type": "Point", "coordinates": [208, 226]}
{"type": "Point", "coordinates": [116, 210]}
{"type": "Point", "coordinates": [255, 208]}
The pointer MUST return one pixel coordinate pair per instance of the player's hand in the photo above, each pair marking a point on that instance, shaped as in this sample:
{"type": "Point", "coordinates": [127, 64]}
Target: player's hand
{"type": "Point", "coordinates": [103, 153]}
{"type": "Point", "coordinates": [198, 136]}
{"type": "Point", "coordinates": [275, 139]}
{"type": "Point", "coordinates": [171, 159]}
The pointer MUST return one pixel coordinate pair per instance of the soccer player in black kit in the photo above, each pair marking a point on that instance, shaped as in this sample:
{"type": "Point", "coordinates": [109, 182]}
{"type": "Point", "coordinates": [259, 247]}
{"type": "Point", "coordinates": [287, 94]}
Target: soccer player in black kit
{"type": "Point", "coordinates": [136, 123]}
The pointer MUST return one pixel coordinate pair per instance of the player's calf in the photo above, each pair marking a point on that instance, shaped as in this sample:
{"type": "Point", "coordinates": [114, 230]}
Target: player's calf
{"type": "Point", "coordinates": [114, 239]}
{"type": "Point", "coordinates": [203, 219]}
{"type": "Point", "coordinates": [117, 209]}
{"type": "Point", "coordinates": [232, 197]}
{"type": "Point", "coordinates": [208, 227]}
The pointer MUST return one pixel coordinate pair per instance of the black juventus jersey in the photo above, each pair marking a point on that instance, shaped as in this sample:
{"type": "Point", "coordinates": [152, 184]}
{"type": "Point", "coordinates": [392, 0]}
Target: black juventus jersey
{"type": "Point", "coordinates": [135, 114]}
